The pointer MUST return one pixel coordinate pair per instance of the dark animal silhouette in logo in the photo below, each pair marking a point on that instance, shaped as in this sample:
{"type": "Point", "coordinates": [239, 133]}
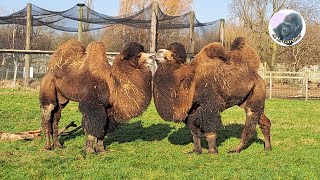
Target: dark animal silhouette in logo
{"type": "Point", "coordinates": [288, 31]}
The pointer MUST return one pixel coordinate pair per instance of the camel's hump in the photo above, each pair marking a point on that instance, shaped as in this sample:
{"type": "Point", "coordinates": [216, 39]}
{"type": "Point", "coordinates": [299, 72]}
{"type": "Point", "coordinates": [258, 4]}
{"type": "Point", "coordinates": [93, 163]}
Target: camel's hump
{"type": "Point", "coordinates": [70, 52]}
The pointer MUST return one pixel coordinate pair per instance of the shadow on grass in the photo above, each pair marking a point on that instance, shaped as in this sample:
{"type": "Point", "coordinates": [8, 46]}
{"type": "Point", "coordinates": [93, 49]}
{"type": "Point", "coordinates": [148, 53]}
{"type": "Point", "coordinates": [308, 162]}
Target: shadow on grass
{"type": "Point", "coordinates": [135, 131]}
{"type": "Point", "coordinates": [128, 133]}
{"type": "Point", "coordinates": [183, 136]}
{"type": "Point", "coordinates": [78, 131]}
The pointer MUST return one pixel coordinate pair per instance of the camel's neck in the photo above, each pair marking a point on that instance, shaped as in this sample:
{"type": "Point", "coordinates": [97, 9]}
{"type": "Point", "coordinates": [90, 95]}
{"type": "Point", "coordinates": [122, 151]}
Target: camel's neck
{"type": "Point", "coordinates": [173, 91]}
{"type": "Point", "coordinates": [131, 91]}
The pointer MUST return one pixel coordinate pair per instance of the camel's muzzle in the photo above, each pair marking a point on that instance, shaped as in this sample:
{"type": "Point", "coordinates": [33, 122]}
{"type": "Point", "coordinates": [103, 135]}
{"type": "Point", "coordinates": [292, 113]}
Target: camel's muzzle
{"type": "Point", "coordinates": [161, 55]}
{"type": "Point", "coordinates": [147, 59]}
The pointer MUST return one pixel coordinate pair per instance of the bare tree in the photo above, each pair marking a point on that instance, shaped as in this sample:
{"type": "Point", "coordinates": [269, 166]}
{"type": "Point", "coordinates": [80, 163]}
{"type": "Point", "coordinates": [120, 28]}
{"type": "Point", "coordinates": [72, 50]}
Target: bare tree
{"type": "Point", "coordinates": [252, 19]}
{"type": "Point", "coordinates": [121, 34]}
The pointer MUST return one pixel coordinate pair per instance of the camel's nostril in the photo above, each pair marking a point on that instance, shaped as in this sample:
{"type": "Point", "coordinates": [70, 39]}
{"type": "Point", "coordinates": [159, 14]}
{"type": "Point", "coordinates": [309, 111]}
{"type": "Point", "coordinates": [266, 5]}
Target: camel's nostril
{"type": "Point", "coordinates": [152, 57]}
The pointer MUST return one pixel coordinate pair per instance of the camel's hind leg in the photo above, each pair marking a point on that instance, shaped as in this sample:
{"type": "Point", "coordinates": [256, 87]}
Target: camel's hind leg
{"type": "Point", "coordinates": [46, 116]}
{"type": "Point", "coordinates": [48, 101]}
{"type": "Point", "coordinates": [56, 119]}
{"type": "Point", "coordinates": [254, 108]}
{"type": "Point", "coordinates": [265, 124]}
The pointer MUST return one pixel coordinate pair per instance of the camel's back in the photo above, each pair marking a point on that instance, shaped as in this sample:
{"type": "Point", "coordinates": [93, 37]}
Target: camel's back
{"type": "Point", "coordinates": [223, 83]}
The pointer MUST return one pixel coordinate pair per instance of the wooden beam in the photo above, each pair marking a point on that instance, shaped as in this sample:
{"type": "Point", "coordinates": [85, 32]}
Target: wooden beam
{"type": "Point", "coordinates": [38, 51]}
{"type": "Point", "coordinates": [221, 31]}
{"type": "Point", "coordinates": [154, 24]}
{"type": "Point", "coordinates": [28, 45]}
{"type": "Point", "coordinates": [154, 31]}
{"type": "Point", "coordinates": [191, 30]}
{"type": "Point", "coordinates": [80, 26]}
{"type": "Point", "coordinates": [25, 51]}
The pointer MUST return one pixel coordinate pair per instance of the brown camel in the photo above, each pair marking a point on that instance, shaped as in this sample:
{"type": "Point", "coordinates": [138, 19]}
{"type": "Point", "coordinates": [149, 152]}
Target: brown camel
{"type": "Point", "coordinates": [196, 93]}
{"type": "Point", "coordinates": [107, 95]}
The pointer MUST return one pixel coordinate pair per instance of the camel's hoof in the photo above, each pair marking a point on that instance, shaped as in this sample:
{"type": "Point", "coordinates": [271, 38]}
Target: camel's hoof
{"type": "Point", "coordinates": [58, 145]}
{"type": "Point", "coordinates": [194, 152]}
{"type": "Point", "coordinates": [212, 152]}
{"type": "Point", "coordinates": [48, 147]}
{"type": "Point", "coordinates": [268, 148]}
{"type": "Point", "coordinates": [234, 151]}
{"type": "Point", "coordinates": [100, 150]}
{"type": "Point", "coordinates": [90, 150]}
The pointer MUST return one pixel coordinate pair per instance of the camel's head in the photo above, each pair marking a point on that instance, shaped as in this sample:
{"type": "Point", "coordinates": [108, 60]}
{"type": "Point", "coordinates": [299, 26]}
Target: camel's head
{"type": "Point", "coordinates": [174, 54]}
{"type": "Point", "coordinates": [134, 54]}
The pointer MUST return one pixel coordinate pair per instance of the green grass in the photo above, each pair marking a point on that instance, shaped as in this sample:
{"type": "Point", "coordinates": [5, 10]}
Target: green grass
{"type": "Point", "coordinates": [150, 148]}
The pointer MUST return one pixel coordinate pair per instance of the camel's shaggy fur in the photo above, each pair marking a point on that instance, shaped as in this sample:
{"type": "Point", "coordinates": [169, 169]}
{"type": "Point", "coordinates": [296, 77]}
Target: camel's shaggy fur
{"type": "Point", "coordinates": [196, 93]}
{"type": "Point", "coordinates": [107, 95]}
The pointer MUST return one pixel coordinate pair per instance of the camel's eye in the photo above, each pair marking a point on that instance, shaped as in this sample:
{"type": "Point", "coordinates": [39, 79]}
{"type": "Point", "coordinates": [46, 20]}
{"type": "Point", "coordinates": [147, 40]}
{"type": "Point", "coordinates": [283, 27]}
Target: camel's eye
{"type": "Point", "coordinates": [174, 55]}
{"type": "Point", "coordinates": [139, 55]}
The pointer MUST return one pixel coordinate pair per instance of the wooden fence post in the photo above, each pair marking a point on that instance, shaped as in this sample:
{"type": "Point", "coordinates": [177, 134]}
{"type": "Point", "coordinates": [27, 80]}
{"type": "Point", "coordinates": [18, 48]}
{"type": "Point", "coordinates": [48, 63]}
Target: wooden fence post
{"type": "Point", "coordinates": [80, 26]}
{"type": "Point", "coordinates": [191, 31]}
{"type": "Point", "coordinates": [16, 64]}
{"type": "Point", "coordinates": [154, 25]}
{"type": "Point", "coordinates": [221, 31]}
{"type": "Point", "coordinates": [306, 80]}
{"type": "Point", "coordinates": [7, 74]}
{"type": "Point", "coordinates": [270, 85]}
{"type": "Point", "coordinates": [28, 44]}
{"type": "Point", "coordinates": [154, 29]}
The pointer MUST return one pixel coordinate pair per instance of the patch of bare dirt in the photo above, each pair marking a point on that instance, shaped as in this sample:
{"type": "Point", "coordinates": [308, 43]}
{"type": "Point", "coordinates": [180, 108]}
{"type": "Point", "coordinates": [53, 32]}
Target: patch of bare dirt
{"type": "Point", "coordinates": [34, 84]}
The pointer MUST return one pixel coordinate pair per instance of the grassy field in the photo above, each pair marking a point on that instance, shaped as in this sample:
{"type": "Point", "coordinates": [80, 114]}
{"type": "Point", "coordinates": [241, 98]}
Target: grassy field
{"type": "Point", "coordinates": [150, 148]}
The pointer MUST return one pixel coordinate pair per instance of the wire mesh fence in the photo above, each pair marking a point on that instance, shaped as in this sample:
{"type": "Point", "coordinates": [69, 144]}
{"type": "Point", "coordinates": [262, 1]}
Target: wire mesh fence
{"type": "Point", "coordinates": [130, 27]}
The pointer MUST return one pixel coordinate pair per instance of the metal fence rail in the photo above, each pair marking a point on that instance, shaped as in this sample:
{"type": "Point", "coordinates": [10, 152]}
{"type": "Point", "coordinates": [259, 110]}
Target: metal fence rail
{"type": "Point", "coordinates": [299, 85]}
{"type": "Point", "coordinates": [283, 85]}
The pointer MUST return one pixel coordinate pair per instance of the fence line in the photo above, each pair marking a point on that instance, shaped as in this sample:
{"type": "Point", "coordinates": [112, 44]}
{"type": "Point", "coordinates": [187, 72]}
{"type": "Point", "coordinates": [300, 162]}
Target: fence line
{"type": "Point", "coordinates": [304, 85]}
{"type": "Point", "coordinates": [22, 51]}
{"type": "Point", "coordinates": [301, 85]}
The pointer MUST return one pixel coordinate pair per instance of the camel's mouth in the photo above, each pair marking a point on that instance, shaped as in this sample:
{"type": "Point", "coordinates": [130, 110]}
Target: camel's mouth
{"type": "Point", "coordinates": [163, 55]}
{"type": "Point", "coordinates": [147, 59]}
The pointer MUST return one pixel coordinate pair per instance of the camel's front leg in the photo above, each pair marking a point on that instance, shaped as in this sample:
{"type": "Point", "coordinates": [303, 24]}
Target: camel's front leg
{"type": "Point", "coordinates": [91, 140]}
{"type": "Point", "coordinates": [94, 123]}
{"type": "Point", "coordinates": [212, 142]}
{"type": "Point", "coordinates": [196, 143]}
{"type": "Point", "coordinates": [100, 148]}
{"type": "Point", "coordinates": [94, 145]}
{"type": "Point", "coordinates": [196, 134]}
